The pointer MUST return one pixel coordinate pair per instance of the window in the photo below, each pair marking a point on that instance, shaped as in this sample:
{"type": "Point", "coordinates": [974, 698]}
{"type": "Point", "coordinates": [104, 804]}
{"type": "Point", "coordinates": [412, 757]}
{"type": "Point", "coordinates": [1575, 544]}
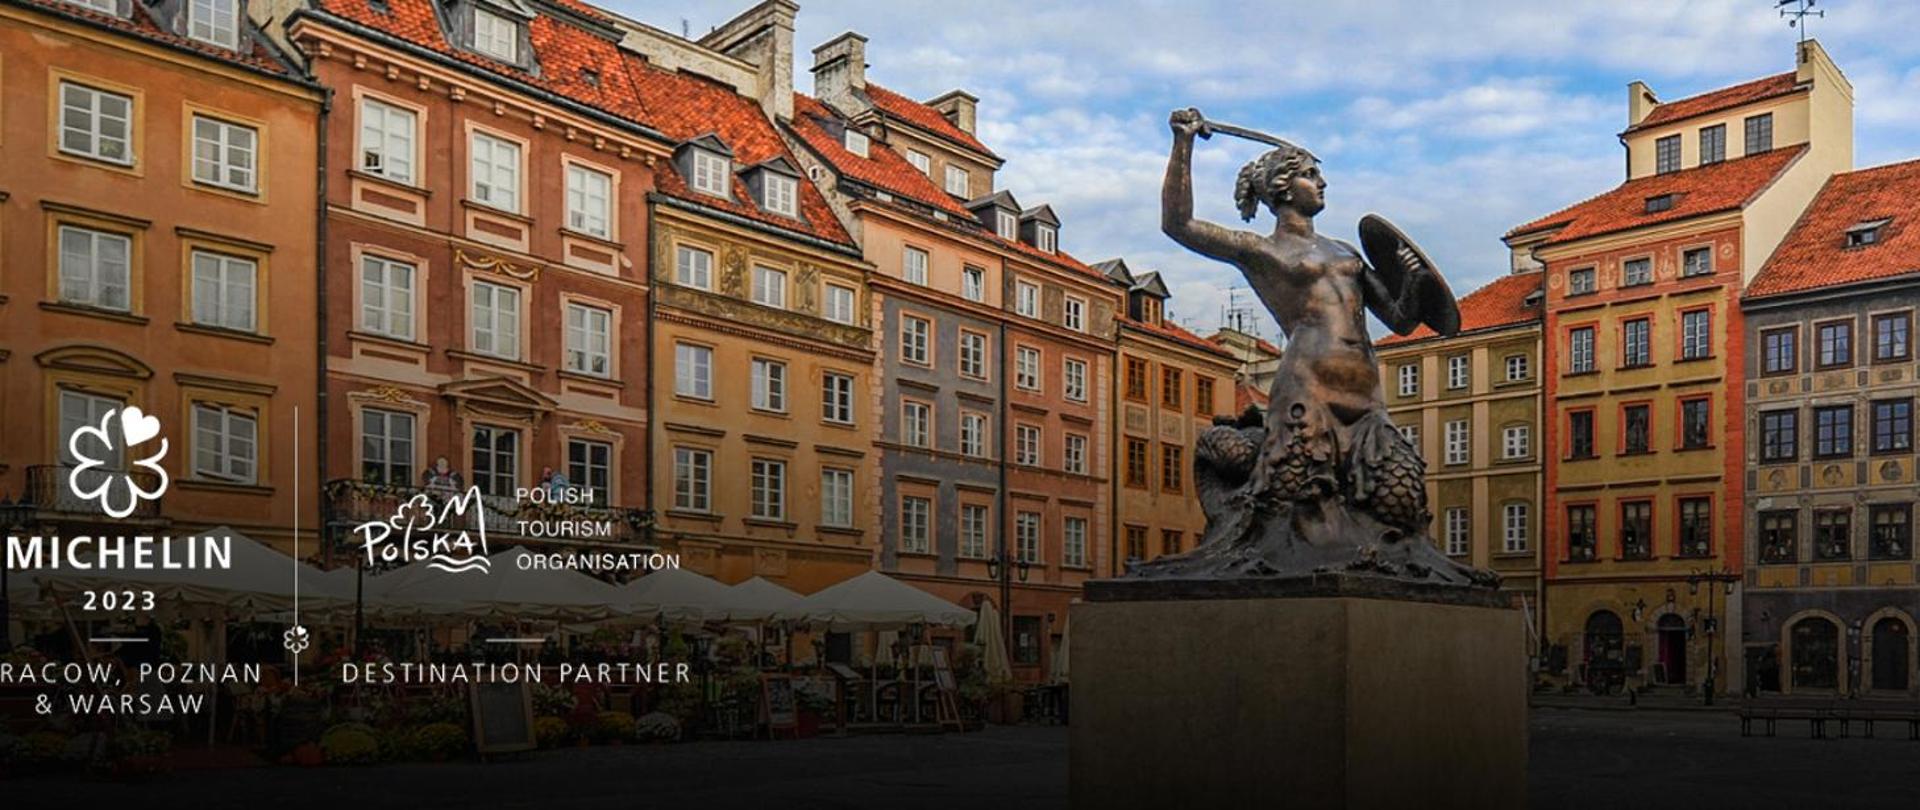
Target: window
{"type": "Point", "coordinates": [1832, 534]}
{"type": "Point", "coordinates": [1026, 300]}
{"type": "Point", "coordinates": [386, 140]}
{"type": "Point", "coordinates": [96, 124]}
{"type": "Point", "coordinates": [1836, 344]}
{"type": "Point", "coordinates": [916, 424]}
{"type": "Point", "coordinates": [1696, 262]}
{"type": "Point", "coordinates": [836, 497]}
{"type": "Point", "coordinates": [1006, 225]}
{"type": "Point", "coordinates": [1580, 434]}
{"type": "Point", "coordinates": [693, 267]}
{"type": "Point", "coordinates": [1865, 233]}
{"type": "Point", "coordinates": [1516, 441]}
{"type": "Point", "coordinates": [1170, 541]}
{"type": "Point", "coordinates": [1075, 383]}
{"type": "Point", "coordinates": [102, 6]}
{"type": "Point", "coordinates": [590, 468]}
{"type": "Point", "coordinates": [973, 531]}
{"type": "Point", "coordinates": [1026, 638]}
{"type": "Point", "coordinates": [1759, 133]}
{"type": "Point", "coordinates": [973, 355]}
{"type": "Point", "coordinates": [589, 201]}
{"type": "Point", "coordinates": [1696, 527]}
{"type": "Point", "coordinates": [692, 371]}
{"type": "Point", "coordinates": [589, 340]}
{"type": "Point", "coordinates": [495, 172]}
{"type": "Point", "coordinates": [1636, 530]}
{"type": "Point", "coordinates": [1636, 429]}
{"type": "Point", "coordinates": [1581, 281]}
{"type": "Point", "coordinates": [1892, 531]}
{"type": "Point", "coordinates": [496, 459]}
{"type": "Point", "coordinates": [1074, 458]}
{"type": "Point", "coordinates": [973, 435]}
{"type": "Point", "coordinates": [386, 297]}
{"type": "Point", "coordinates": [496, 320]}
{"type": "Point", "coordinates": [1459, 528]}
{"type": "Point", "coordinates": [1779, 435]}
{"type": "Point", "coordinates": [1409, 375]}
{"type": "Point", "coordinates": [1816, 654]}
{"type": "Point", "coordinates": [920, 161]}
{"type": "Point", "coordinates": [1412, 434]}
{"type": "Point", "coordinates": [225, 441]}
{"type": "Point", "coordinates": [1458, 449]}
{"type": "Point", "coordinates": [914, 336]}
{"type": "Point", "coordinates": [915, 516]}
{"type": "Point", "coordinates": [1516, 534]}
{"type": "Point", "coordinates": [95, 268]}
{"type": "Point", "coordinates": [692, 479]}
{"type": "Point", "coordinates": [973, 283]}
{"type": "Point", "coordinates": [1073, 542]}
{"type": "Point", "coordinates": [1026, 445]}
{"type": "Point", "coordinates": [769, 381]}
{"type": "Point", "coordinates": [1074, 314]}
{"type": "Point", "coordinates": [1137, 379]}
{"type": "Point", "coordinates": [1635, 272]}
{"type": "Point", "coordinates": [1636, 343]}
{"type": "Point", "coordinates": [712, 173]}
{"type": "Point", "coordinates": [1580, 350]}
{"type": "Point", "coordinates": [1780, 350]}
{"type": "Point", "coordinates": [1045, 238]}
{"type": "Point", "coordinates": [768, 489]}
{"type": "Point", "coordinates": [1137, 452]}
{"type": "Point", "coordinates": [1026, 368]}
{"type": "Point", "coordinates": [1203, 396]}
{"type": "Point", "coordinates": [836, 398]}
{"type": "Point", "coordinates": [1582, 539]}
{"type": "Point", "coordinates": [957, 182]}
{"type": "Point", "coordinates": [1696, 334]}
{"type": "Point", "coordinates": [780, 194]}
{"type": "Point", "coordinates": [224, 154]}
{"type": "Point", "coordinates": [386, 447]}
{"type": "Point", "coordinates": [1519, 367]}
{"type": "Point", "coordinates": [223, 291]}
{"type": "Point", "coordinates": [1659, 203]}
{"type": "Point", "coordinates": [1171, 387]}
{"type": "Point", "coordinates": [1136, 543]}
{"type": "Point", "coordinates": [1172, 468]}
{"type": "Point", "coordinates": [1459, 369]}
{"type": "Point", "coordinates": [496, 36]}
{"type": "Point", "coordinates": [1779, 536]}
{"type": "Point", "coordinates": [1893, 426]}
{"type": "Point", "coordinates": [1833, 431]}
{"type": "Point", "coordinates": [837, 303]}
{"type": "Point", "coordinates": [857, 142]}
{"type": "Point", "coordinates": [913, 266]}
{"type": "Point", "coordinates": [1696, 417]}
{"type": "Point", "coordinates": [1666, 153]}
{"type": "Point", "coordinates": [1713, 144]}
{"type": "Point", "coordinates": [1890, 336]}
{"type": "Point", "coordinates": [1026, 535]}
{"type": "Point", "coordinates": [769, 287]}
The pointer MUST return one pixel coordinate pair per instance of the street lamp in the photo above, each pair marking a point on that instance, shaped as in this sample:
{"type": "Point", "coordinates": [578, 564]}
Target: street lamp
{"type": "Point", "coordinates": [1726, 578]}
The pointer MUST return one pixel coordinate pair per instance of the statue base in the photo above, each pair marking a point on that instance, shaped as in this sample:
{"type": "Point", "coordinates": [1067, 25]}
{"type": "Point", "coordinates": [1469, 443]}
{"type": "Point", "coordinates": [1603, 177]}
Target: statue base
{"type": "Point", "coordinates": [1329, 690]}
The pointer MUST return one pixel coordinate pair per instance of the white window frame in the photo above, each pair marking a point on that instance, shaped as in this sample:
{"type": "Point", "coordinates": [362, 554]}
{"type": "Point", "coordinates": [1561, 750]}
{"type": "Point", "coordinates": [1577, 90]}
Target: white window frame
{"type": "Point", "coordinates": [712, 173]}
{"type": "Point", "coordinates": [836, 398]}
{"type": "Point", "coordinates": [225, 290]}
{"type": "Point", "coordinates": [493, 172]}
{"type": "Point", "coordinates": [102, 6]}
{"type": "Point", "coordinates": [1409, 379]}
{"type": "Point", "coordinates": [1026, 368]}
{"type": "Point", "coordinates": [1519, 367]}
{"type": "Point", "coordinates": [379, 312]}
{"type": "Point", "coordinates": [916, 424]}
{"type": "Point", "coordinates": [1411, 432]}
{"type": "Point", "coordinates": [836, 497]}
{"type": "Point", "coordinates": [387, 136]}
{"type": "Point", "coordinates": [781, 194]}
{"type": "Point", "coordinates": [1045, 238]}
{"type": "Point", "coordinates": [92, 276]}
{"type": "Point", "coordinates": [973, 355]}
{"type": "Point", "coordinates": [769, 286]}
{"type": "Point", "coordinates": [495, 35]}
{"type": "Point", "coordinates": [1696, 343]}
{"type": "Point", "coordinates": [693, 371]}
{"type": "Point", "coordinates": [1006, 224]}
{"type": "Point", "coordinates": [1459, 372]}
{"type": "Point", "coordinates": [693, 267]}
{"type": "Point", "coordinates": [1459, 442]}
{"type": "Point", "coordinates": [973, 434]}
{"type": "Point", "coordinates": [692, 479]}
{"type": "Point", "coordinates": [589, 201]}
{"type": "Point", "coordinates": [913, 265]}
{"type": "Point", "coordinates": [1074, 454]}
{"type": "Point", "coordinates": [226, 443]}
{"type": "Point", "coordinates": [916, 524]}
{"type": "Point", "coordinates": [1073, 541]}
{"type": "Point", "coordinates": [973, 530]}
{"type": "Point", "coordinates": [589, 340]}
{"type": "Point", "coordinates": [1580, 359]}
{"type": "Point", "coordinates": [916, 340]}
{"type": "Point", "coordinates": [108, 123]}
{"type": "Point", "coordinates": [215, 22]}
{"type": "Point", "coordinates": [1026, 446]}
{"type": "Point", "coordinates": [973, 283]}
{"type": "Point", "coordinates": [1026, 536]}
{"type": "Point", "coordinates": [1459, 531]}
{"type": "Point", "coordinates": [767, 489]}
{"type": "Point", "coordinates": [1026, 299]}
{"type": "Point", "coordinates": [857, 142]}
{"type": "Point", "coordinates": [1073, 373]}
{"type": "Point", "coordinates": [494, 328]}
{"type": "Point", "coordinates": [769, 385]}
{"type": "Point", "coordinates": [225, 154]}
{"type": "Point", "coordinates": [1073, 313]}
{"type": "Point", "coordinates": [958, 181]}
{"type": "Point", "coordinates": [1516, 533]}
{"type": "Point", "coordinates": [1516, 441]}
{"type": "Point", "coordinates": [837, 303]}
{"type": "Point", "coordinates": [921, 161]}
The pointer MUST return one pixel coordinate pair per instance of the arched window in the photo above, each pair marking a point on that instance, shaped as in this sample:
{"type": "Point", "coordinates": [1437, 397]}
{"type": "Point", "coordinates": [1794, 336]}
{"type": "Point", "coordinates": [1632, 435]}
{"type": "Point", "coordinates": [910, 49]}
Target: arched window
{"type": "Point", "coordinates": [1892, 651]}
{"type": "Point", "coordinates": [1603, 638]}
{"type": "Point", "coordinates": [1816, 654]}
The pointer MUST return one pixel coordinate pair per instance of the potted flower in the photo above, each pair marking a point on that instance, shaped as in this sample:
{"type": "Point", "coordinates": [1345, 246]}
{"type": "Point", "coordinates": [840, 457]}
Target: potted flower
{"type": "Point", "coordinates": [138, 753]}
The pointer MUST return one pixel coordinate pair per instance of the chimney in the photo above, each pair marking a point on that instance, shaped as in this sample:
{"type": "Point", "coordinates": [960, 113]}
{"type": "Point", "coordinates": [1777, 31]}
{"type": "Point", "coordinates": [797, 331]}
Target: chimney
{"type": "Point", "coordinates": [959, 107]}
{"type": "Point", "coordinates": [762, 36]}
{"type": "Point", "coordinates": [840, 73]}
{"type": "Point", "coordinates": [1640, 103]}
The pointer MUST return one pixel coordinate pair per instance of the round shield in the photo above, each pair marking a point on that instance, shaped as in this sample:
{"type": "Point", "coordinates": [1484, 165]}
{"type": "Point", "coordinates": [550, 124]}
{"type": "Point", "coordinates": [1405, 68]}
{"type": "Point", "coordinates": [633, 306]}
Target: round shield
{"type": "Point", "coordinates": [1400, 262]}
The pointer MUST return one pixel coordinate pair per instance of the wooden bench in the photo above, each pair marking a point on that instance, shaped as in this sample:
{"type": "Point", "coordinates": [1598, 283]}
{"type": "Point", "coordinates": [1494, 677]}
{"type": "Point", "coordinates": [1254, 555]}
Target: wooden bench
{"type": "Point", "coordinates": [1816, 714]}
{"type": "Point", "coordinates": [1821, 714]}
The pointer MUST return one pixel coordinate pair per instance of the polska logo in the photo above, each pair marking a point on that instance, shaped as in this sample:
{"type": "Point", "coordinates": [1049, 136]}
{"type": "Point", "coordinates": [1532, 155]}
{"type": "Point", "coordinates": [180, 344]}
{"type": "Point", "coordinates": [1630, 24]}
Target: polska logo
{"type": "Point", "coordinates": [92, 480]}
{"type": "Point", "coordinates": [450, 535]}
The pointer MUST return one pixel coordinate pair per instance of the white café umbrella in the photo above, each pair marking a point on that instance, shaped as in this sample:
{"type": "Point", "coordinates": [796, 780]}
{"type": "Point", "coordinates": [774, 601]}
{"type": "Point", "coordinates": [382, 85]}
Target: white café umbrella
{"type": "Point", "coordinates": [993, 648]}
{"type": "Point", "coordinates": [757, 599]}
{"type": "Point", "coordinates": [875, 601]}
{"type": "Point", "coordinates": [259, 579]}
{"type": "Point", "coordinates": [1060, 656]}
{"type": "Point", "coordinates": [678, 594]}
{"type": "Point", "coordinates": [505, 591]}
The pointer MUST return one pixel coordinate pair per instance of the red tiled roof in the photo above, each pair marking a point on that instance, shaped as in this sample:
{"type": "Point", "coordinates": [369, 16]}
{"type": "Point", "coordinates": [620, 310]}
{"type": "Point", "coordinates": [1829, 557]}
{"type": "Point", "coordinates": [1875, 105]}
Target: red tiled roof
{"type": "Point", "coordinates": [1724, 186]}
{"type": "Point", "coordinates": [1177, 334]}
{"type": "Point", "coordinates": [1725, 98]}
{"type": "Point", "coordinates": [1261, 343]}
{"type": "Point", "coordinates": [923, 117]}
{"type": "Point", "coordinates": [1245, 394]}
{"type": "Point", "coordinates": [141, 23]}
{"type": "Point", "coordinates": [1815, 253]}
{"type": "Point", "coordinates": [1502, 302]}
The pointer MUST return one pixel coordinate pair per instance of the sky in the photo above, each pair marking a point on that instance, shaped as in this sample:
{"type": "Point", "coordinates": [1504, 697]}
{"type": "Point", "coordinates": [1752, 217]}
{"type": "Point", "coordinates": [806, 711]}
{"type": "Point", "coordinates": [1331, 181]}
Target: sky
{"type": "Point", "coordinates": [1455, 120]}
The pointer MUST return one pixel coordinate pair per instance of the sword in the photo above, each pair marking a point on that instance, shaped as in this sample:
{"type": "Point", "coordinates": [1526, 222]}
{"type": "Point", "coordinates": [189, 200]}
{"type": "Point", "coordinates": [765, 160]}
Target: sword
{"type": "Point", "coordinates": [1207, 128]}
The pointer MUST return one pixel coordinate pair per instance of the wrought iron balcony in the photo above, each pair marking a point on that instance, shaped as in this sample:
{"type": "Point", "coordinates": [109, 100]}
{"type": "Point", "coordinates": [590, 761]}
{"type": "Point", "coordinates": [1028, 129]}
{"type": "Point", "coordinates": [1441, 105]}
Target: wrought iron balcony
{"type": "Point", "coordinates": [50, 492]}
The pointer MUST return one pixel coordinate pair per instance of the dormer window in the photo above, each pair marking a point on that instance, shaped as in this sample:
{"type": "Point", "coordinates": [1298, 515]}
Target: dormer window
{"type": "Point", "coordinates": [779, 194]}
{"type": "Point", "coordinates": [1867, 233]}
{"type": "Point", "coordinates": [857, 142]}
{"type": "Point", "coordinates": [711, 173]}
{"type": "Point", "coordinates": [215, 22]}
{"type": "Point", "coordinates": [494, 35]}
{"type": "Point", "coordinates": [1657, 204]}
{"type": "Point", "coordinates": [1006, 225]}
{"type": "Point", "coordinates": [103, 6]}
{"type": "Point", "coordinates": [1045, 238]}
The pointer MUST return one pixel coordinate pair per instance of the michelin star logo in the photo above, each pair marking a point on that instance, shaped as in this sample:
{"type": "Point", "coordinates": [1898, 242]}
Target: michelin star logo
{"type": "Point", "coordinates": [134, 428]}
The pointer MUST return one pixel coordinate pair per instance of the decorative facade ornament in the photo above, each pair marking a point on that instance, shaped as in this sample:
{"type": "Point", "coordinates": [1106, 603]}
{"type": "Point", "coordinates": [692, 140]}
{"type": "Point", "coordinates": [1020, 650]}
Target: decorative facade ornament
{"type": "Point", "coordinates": [488, 264]}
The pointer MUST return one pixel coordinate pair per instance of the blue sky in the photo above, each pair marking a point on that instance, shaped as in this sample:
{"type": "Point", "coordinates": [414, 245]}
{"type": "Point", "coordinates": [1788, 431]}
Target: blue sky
{"type": "Point", "coordinates": [1457, 120]}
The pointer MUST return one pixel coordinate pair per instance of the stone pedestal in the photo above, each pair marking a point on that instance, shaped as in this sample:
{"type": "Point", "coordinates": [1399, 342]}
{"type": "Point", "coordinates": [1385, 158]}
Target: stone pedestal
{"type": "Point", "coordinates": [1314, 692]}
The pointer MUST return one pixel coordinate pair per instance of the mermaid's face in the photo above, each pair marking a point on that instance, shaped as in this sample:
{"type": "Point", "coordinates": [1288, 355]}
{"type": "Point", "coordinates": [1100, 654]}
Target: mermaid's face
{"type": "Point", "coordinates": [1303, 190]}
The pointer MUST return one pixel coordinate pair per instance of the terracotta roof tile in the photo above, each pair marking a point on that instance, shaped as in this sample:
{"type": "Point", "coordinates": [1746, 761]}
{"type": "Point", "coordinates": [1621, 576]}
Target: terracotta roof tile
{"type": "Point", "coordinates": [1244, 394]}
{"type": "Point", "coordinates": [255, 54]}
{"type": "Point", "coordinates": [1178, 334]}
{"type": "Point", "coordinates": [923, 117]}
{"type": "Point", "coordinates": [1502, 302]}
{"type": "Point", "coordinates": [1815, 253]}
{"type": "Point", "coordinates": [1725, 98]}
{"type": "Point", "coordinates": [1724, 186]}
{"type": "Point", "coordinates": [1262, 344]}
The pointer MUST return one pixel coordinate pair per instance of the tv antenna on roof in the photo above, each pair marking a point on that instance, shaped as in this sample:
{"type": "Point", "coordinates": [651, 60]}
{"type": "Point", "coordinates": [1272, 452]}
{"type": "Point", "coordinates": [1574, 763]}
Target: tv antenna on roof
{"type": "Point", "coordinates": [1800, 11]}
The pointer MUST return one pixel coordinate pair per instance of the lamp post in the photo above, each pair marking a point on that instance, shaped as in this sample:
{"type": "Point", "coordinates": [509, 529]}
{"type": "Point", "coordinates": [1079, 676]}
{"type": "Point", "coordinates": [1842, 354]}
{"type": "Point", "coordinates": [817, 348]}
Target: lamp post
{"type": "Point", "coordinates": [14, 515]}
{"type": "Point", "coordinates": [1725, 579]}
